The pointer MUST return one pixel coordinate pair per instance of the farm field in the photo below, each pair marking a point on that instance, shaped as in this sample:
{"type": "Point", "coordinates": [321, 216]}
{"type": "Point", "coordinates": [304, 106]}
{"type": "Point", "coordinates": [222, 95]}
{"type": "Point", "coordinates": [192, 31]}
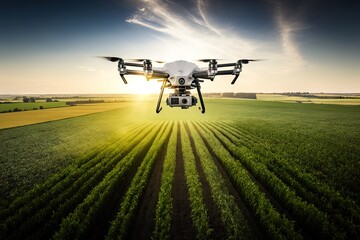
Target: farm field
{"type": "Point", "coordinates": [30, 106]}
{"type": "Point", "coordinates": [311, 100]}
{"type": "Point", "coordinates": [16, 119]}
{"type": "Point", "coordinates": [246, 169]}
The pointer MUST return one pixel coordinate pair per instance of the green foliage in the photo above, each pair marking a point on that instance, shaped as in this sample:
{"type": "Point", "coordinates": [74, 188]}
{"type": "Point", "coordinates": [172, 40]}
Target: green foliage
{"type": "Point", "coordinates": [275, 225]}
{"type": "Point", "coordinates": [164, 206]}
{"type": "Point", "coordinates": [29, 105]}
{"type": "Point", "coordinates": [78, 222]}
{"type": "Point", "coordinates": [199, 213]}
{"type": "Point", "coordinates": [66, 189]}
{"type": "Point", "coordinates": [299, 159]}
{"type": "Point", "coordinates": [233, 219]}
{"type": "Point", "coordinates": [120, 224]}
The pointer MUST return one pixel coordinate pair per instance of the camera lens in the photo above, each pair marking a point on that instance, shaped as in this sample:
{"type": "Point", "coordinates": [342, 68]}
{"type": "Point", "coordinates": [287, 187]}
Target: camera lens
{"type": "Point", "coordinates": [184, 101]}
{"type": "Point", "coordinates": [181, 81]}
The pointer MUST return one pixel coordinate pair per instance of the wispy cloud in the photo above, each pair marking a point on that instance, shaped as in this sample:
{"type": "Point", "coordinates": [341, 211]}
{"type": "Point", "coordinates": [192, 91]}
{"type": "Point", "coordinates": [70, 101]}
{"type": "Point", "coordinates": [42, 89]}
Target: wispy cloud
{"type": "Point", "coordinates": [289, 23]}
{"type": "Point", "coordinates": [190, 33]}
{"type": "Point", "coordinates": [193, 30]}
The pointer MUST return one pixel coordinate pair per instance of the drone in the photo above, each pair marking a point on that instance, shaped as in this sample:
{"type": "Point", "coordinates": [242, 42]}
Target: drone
{"type": "Point", "coordinates": [182, 76]}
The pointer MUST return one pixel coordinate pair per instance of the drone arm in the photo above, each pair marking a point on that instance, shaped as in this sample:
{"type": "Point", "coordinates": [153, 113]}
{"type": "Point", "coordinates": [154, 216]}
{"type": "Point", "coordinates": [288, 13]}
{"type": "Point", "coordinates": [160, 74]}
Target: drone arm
{"type": "Point", "coordinates": [226, 65]}
{"type": "Point", "coordinates": [201, 74]}
{"type": "Point", "coordinates": [158, 107]}
{"type": "Point", "coordinates": [225, 72]}
{"type": "Point", "coordinates": [156, 74]}
{"type": "Point", "coordinates": [134, 65]}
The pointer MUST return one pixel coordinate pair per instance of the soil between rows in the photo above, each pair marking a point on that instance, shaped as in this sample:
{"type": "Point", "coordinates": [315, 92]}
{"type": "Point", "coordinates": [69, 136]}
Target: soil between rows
{"type": "Point", "coordinates": [181, 223]}
{"type": "Point", "coordinates": [255, 229]}
{"type": "Point", "coordinates": [144, 222]}
{"type": "Point", "coordinates": [99, 228]}
{"type": "Point", "coordinates": [213, 211]}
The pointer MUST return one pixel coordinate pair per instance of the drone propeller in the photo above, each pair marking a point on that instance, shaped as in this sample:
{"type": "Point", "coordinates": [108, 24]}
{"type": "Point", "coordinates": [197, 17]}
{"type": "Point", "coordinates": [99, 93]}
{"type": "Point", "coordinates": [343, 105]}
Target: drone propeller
{"type": "Point", "coordinates": [244, 61]}
{"type": "Point", "coordinates": [208, 59]}
{"type": "Point", "coordinates": [143, 59]}
{"type": "Point", "coordinates": [111, 59]}
{"type": "Point", "coordinates": [115, 59]}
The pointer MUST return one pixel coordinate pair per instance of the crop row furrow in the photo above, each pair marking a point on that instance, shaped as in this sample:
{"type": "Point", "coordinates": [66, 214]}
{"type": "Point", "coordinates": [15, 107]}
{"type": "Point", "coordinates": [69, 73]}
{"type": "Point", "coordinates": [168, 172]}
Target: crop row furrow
{"type": "Point", "coordinates": [50, 216]}
{"type": "Point", "coordinates": [313, 220]}
{"type": "Point", "coordinates": [199, 213]}
{"type": "Point", "coordinates": [41, 207]}
{"type": "Point", "coordinates": [343, 211]}
{"type": "Point", "coordinates": [231, 216]}
{"type": "Point", "coordinates": [164, 205]}
{"type": "Point", "coordinates": [77, 224]}
{"type": "Point", "coordinates": [22, 203]}
{"type": "Point", "coordinates": [275, 225]}
{"type": "Point", "coordinates": [119, 226]}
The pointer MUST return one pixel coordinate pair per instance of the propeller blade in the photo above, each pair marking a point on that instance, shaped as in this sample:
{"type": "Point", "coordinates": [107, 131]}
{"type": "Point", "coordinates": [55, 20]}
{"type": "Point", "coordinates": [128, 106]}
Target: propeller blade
{"type": "Point", "coordinates": [220, 59]}
{"type": "Point", "coordinates": [111, 59]}
{"type": "Point", "coordinates": [142, 59]}
{"type": "Point", "coordinates": [245, 61]}
{"type": "Point", "coordinates": [115, 59]}
{"type": "Point", "coordinates": [208, 59]}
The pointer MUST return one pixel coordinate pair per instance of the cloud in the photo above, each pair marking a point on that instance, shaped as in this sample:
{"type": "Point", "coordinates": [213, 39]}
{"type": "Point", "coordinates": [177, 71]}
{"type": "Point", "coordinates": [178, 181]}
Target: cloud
{"type": "Point", "coordinates": [189, 30]}
{"type": "Point", "coordinates": [188, 33]}
{"type": "Point", "coordinates": [289, 23]}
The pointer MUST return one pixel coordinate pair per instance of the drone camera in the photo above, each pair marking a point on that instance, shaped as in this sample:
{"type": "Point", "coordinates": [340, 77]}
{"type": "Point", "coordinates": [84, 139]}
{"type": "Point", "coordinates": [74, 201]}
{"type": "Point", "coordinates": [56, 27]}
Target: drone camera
{"type": "Point", "coordinates": [184, 101]}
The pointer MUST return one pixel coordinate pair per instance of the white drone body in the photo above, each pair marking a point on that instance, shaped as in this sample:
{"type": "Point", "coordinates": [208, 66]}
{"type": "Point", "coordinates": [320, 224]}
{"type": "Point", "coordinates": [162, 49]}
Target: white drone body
{"type": "Point", "coordinates": [182, 76]}
{"type": "Point", "coordinates": [180, 73]}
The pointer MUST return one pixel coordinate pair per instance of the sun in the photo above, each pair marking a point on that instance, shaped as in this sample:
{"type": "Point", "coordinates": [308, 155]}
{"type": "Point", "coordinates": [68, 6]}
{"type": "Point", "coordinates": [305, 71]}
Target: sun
{"type": "Point", "coordinates": [139, 85]}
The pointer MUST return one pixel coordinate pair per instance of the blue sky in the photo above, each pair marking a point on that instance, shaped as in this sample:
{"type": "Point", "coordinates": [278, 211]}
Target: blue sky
{"type": "Point", "coordinates": [49, 46]}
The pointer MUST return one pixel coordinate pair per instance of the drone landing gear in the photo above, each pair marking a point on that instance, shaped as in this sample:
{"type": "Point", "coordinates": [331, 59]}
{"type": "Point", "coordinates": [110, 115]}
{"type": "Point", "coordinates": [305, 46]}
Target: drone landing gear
{"type": "Point", "coordinates": [198, 87]}
{"type": "Point", "coordinates": [158, 107]}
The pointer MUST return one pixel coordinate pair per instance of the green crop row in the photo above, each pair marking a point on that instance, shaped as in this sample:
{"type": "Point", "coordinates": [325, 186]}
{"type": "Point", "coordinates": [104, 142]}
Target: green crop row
{"type": "Point", "coordinates": [21, 204]}
{"type": "Point", "coordinates": [233, 220]}
{"type": "Point", "coordinates": [199, 213]}
{"type": "Point", "coordinates": [78, 222]}
{"type": "Point", "coordinates": [164, 205]}
{"type": "Point", "coordinates": [348, 205]}
{"type": "Point", "coordinates": [119, 226]}
{"type": "Point", "coordinates": [343, 211]}
{"type": "Point", "coordinates": [70, 202]}
{"type": "Point", "coordinates": [275, 225]}
{"type": "Point", "coordinates": [314, 220]}
{"type": "Point", "coordinates": [61, 199]}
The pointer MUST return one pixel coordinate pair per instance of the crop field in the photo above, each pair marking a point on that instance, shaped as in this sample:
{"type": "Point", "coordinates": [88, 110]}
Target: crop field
{"type": "Point", "coordinates": [15, 119]}
{"type": "Point", "coordinates": [30, 106]}
{"type": "Point", "coordinates": [244, 170]}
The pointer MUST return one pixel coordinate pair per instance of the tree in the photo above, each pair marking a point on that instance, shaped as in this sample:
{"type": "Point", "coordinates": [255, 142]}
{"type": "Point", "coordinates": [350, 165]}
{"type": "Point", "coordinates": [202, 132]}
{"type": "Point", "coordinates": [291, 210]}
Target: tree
{"type": "Point", "coordinates": [49, 100]}
{"type": "Point", "coordinates": [26, 99]}
{"type": "Point", "coordinates": [32, 99]}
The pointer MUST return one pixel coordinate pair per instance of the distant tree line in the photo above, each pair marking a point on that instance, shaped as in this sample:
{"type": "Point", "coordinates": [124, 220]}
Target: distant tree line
{"type": "Point", "coordinates": [74, 103]}
{"type": "Point", "coordinates": [28, 99]}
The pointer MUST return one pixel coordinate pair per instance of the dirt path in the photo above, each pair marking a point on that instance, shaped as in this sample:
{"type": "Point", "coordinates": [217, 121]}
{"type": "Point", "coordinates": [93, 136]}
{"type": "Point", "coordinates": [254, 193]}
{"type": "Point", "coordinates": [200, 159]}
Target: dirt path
{"type": "Point", "coordinates": [144, 223]}
{"type": "Point", "coordinates": [213, 210]}
{"type": "Point", "coordinates": [102, 224]}
{"type": "Point", "coordinates": [255, 228]}
{"type": "Point", "coordinates": [181, 223]}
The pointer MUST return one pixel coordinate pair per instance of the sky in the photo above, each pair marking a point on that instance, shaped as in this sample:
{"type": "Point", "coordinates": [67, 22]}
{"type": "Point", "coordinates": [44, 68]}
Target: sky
{"type": "Point", "coordinates": [50, 46]}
